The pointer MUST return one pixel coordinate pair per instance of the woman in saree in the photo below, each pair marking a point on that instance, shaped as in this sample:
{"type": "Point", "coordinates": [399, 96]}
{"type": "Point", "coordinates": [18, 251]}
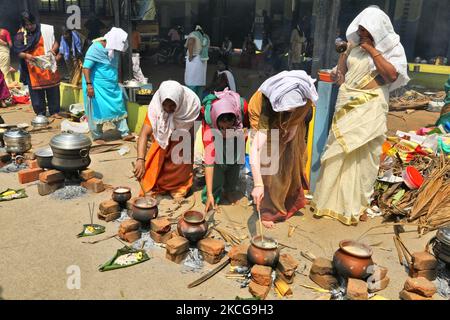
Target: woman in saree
{"type": "Point", "coordinates": [277, 114]}
{"type": "Point", "coordinates": [224, 117]}
{"type": "Point", "coordinates": [35, 43]}
{"type": "Point", "coordinates": [366, 72]}
{"type": "Point", "coordinates": [4, 91]}
{"type": "Point", "coordinates": [103, 97]}
{"type": "Point", "coordinates": [171, 114]}
{"type": "Point", "coordinates": [5, 58]}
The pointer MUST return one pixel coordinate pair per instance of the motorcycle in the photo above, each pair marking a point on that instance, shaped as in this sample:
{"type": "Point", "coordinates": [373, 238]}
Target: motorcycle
{"type": "Point", "coordinates": [171, 52]}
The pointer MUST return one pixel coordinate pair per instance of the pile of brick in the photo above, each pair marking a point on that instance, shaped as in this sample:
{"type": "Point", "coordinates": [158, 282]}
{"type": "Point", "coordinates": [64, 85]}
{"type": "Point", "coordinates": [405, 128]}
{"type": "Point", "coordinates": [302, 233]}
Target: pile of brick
{"type": "Point", "coordinates": [323, 274]}
{"type": "Point", "coordinates": [286, 268]}
{"type": "Point", "coordinates": [129, 230]}
{"type": "Point", "coordinates": [238, 255]}
{"type": "Point", "coordinates": [424, 265]}
{"type": "Point", "coordinates": [211, 249]}
{"type": "Point", "coordinates": [90, 182]}
{"type": "Point", "coordinates": [261, 281]}
{"type": "Point", "coordinates": [50, 181]}
{"type": "Point", "coordinates": [418, 288]}
{"type": "Point", "coordinates": [109, 210]}
{"type": "Point", "coordinates": [177, 249]}
{"type": "Point", "coordinates": [160, 230]}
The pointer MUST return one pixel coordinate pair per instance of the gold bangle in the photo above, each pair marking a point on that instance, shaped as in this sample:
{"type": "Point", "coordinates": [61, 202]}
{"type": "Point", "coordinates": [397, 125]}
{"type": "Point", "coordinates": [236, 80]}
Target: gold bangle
{"type": "Point", "coordinates": [379, 54]}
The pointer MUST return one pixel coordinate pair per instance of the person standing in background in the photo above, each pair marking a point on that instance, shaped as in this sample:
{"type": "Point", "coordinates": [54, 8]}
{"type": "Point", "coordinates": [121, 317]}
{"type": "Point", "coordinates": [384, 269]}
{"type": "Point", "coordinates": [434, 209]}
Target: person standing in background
{"type": "Point", "coordinates": [174, 34]}
{"type": "Point", "coordinates": [226, 50]}
{"type": "Point", "coordinates": [5, 59]}
{"type": "Point", "coordinates": [94, 26]}
{"type": "Point", "coordinates": [298, 44]}
{"type": "Point", "coordinates": [71, 49]}
{"type": "Point", "coordinates": [197, 45]}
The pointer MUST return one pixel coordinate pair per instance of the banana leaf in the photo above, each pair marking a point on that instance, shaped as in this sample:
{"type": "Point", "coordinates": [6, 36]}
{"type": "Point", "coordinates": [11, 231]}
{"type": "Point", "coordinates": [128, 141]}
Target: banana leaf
{"type": "Point", "coordinates": [91, 230]}
{"type": "Point", "coordinates": [11, 194]}
{"type": "Point", "coordinates": [112, 264]}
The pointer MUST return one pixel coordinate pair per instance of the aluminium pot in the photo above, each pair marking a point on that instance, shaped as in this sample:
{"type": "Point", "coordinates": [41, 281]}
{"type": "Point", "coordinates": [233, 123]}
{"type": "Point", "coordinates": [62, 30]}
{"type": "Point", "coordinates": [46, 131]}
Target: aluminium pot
{"type": "Point", "coordinates": [70, 151]}
{"type": "Point", "coordinates": [40, 122]}
{"type": "Point", "coordinates": [192, 225]}
{"type": "Point", "coordinates": [441, 244]}
{"type": "Point", "coordinates": [353, 259]}
{"type": "Point", "coordinates": [265, 253]}
{"type": "Point", "coordinates": [17, 140]}
{"type": "Point", "coordinates": [44, 157]}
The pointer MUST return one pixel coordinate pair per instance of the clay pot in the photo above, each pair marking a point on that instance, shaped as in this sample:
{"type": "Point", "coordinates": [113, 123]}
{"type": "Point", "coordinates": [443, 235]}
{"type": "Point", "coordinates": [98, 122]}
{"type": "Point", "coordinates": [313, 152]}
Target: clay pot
{"type": "Point", "coordinates": [192, 226]}
{"type": "Point", "coordinates": [264, 253]}
{"type": "Point", "coordinates": [144, 209]}
{"type": "Point", "coordinates": [121, 194]}
{"type": "Point", "coordinates": [353, 259]}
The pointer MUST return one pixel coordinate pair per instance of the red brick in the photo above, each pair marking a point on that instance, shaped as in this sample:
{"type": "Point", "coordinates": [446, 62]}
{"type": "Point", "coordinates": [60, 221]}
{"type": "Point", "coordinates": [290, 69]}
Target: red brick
{"type": "Point", "coordinates": [262, 275]}
{"type": "Point", "coordinates": [129, 225]}
{"type": "Point", "coordinates": [213, 247]}
{"type": "Point", "coordinates": [287, 279]}
{"type": "Point", "coordinates": [287, 264]}
{"type": "Point", "coordinates": [131, 236]}
{"type": "Point", "coordinates": [427, 274]}
{"type": "Point", "coordinates": [29, 175]}
{"type": "Point", "coordinates": [322, 266]}
{"type": "Point", "coordinates": [109, 206]}
{"type": "Point", "coordinates": [109, 216]}
{"type": "Point", "coordinates": [51, 176]}
{"type": "Point", "coordinates": [87, 174]}
{"type": "Point", "coordinates": [160, 225]}
{"type": "Point", "coordinates": [177, 245]}
{"type": "Point", "coordinates": [160, 237]}
{"type": "Point", "coordinates": [423, 261]}
{"type": "Point", "coordinates": [258, 290]}
{"type": "Point", "coordinates": [357, 289]}
{"type": "Point", "coordinates": [326, 281]}
{"type": "Point", "coordinates": [177, 258]}
{"type": "Point", "coordinates": [95, 185]}
{"type": "Point", "coordinates": [375, 286]}
{"type": "Point", "coordinates": [379, 272]}
{"type": "Point", "coordinates": [238, 255]}
{"type": "Point", "coordinates": [211, 259]}
{"type": "Point", "coordinates": [406, 295]}
{"type": "Point", "coordinates": [32, 164]}
{"type": "Point", "coordinates": [48, 188]}
{"type": "Point", "coordinates": [420, 286]}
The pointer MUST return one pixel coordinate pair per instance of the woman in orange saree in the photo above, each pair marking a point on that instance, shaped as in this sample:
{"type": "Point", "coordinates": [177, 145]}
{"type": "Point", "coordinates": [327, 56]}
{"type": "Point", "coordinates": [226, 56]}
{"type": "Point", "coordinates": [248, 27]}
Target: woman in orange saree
{"type": "Point", "coordinates": [172, 111]}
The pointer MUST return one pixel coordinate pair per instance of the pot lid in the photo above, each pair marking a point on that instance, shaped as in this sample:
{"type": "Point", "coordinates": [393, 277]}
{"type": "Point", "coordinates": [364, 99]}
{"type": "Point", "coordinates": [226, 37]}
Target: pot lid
{"type": "Point", "coordinates": [16, 133]}
{"type": "Point", "coordinates": [443, 234]}
{"type": "Point", "coordinates": [70, 141]}
{"type": "Point", "coordinates": [40, 119]}
{"type": "Point", "coordinates": [44, 152]}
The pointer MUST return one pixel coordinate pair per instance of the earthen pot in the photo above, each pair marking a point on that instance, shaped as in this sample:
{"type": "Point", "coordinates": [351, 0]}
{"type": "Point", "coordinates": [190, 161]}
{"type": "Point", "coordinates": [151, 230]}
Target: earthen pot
{"type": "Point", "coordinates": [192, 226]}
{"type": "Point", "coordinates": [264, 253]}
{"type": "Point", "coordinates": [121, 194]}
{"type": "Point", "coordinates": [144, 209]}
{"type": "Point", "coordinates": [353, 259]}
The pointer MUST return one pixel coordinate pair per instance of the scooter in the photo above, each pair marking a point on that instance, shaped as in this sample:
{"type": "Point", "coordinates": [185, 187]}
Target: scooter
{"type": "Point", "coordinates": [171, 52]}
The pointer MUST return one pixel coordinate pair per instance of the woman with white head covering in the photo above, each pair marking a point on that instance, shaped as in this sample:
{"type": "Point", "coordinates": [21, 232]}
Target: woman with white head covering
{"type": "Point", "coordinates": [103, 97]}
{"type": "Point", "coordinates": [277, 114]}
{"type": "Point", "coordinates": [373, 65]}
{"type": "Point", "coordinates": [173, 110]}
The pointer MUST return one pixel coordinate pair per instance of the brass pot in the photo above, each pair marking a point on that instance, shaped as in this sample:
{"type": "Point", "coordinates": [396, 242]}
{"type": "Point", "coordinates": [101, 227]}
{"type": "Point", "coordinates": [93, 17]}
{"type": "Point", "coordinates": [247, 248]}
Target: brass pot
{"type": "Point", "coordinates": [265, 253]}
{"type": "Point", "coordinates": [353, 259]}
{"type": "Point", "coordinates": [192, 226]}
{"type": "Point", "coordinates": [144, 209]}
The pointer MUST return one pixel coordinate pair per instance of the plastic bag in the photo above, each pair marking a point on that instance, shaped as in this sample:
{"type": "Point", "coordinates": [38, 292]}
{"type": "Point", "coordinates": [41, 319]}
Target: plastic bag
{"type": "Point", "coordinates": [78, 127]}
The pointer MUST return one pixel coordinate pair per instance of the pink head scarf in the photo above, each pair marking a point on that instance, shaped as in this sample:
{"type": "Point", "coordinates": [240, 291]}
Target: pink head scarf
{"type": "Point", "coordinates": [228, 102]}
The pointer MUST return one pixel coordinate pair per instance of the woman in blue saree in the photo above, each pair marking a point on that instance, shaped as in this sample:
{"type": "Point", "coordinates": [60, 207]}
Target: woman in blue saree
{"type": "Point", "coordinates": [104, 101]}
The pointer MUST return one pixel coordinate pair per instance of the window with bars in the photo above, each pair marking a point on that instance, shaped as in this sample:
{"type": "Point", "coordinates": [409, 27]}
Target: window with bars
{"type": "Point", "coordinates": [101, 7]}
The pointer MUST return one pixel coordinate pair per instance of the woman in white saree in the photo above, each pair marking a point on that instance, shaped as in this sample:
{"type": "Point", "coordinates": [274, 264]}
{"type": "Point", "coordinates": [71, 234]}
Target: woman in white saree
{"type": "Point", "coordinates": [373, 65]}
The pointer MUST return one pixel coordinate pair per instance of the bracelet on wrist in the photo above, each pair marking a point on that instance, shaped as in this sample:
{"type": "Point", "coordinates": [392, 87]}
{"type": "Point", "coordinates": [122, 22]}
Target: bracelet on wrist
{"type": "Point", "coordinates": [143, 159]}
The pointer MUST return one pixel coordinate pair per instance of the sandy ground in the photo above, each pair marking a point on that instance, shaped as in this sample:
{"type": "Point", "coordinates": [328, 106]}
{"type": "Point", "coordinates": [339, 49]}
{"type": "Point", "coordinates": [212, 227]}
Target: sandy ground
{"type": "Point", "coordinates": [38, 239]}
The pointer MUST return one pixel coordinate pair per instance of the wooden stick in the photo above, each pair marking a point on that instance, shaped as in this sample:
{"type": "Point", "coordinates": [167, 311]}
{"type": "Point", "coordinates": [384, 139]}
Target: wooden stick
{"type": "Point", "coordinates": [260, 226]}
{"type": "Point", "coordinates": [405, 252]}
{"type": "Point", "coordinates": [399, 253]}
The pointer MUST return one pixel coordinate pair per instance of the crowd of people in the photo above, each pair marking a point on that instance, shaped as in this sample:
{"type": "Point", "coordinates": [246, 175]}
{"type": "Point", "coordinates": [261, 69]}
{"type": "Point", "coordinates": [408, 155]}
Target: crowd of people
{"type": "Point", "coordinates": [274, 119]}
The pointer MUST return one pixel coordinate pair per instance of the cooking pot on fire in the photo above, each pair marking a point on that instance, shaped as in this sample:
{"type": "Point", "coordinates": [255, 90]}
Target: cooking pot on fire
{"type": "Point", "coordinates": [263, 251]}
{"type": "Point", "coordinates": [70, 151]}
{"type": "Point", "coordinates": [40, 121]}
{"type": "Point", "coordinates": [192, 225]}
{"type": "Point", "coordinates": [44, 157]}
{"type": "Point", "coordinates": [17, 140]}
{"type": "Point", "coordinates": [353, 259]}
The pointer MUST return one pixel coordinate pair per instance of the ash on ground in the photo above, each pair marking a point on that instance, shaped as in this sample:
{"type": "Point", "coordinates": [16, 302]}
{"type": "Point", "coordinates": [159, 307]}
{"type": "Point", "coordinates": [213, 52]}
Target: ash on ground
{"type": "Point", "coordinates": [69, 192]}
{"type": "Point", "coordinates": [193, 261]}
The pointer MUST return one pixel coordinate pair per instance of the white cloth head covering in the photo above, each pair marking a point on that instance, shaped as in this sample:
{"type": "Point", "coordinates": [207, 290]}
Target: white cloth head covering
{"type": "Point", "coordinates": [116, 39]}
{"type": "Point", "coordinates": [289, 90]}
{"type": "Point", "coordinates": [374, 20]}
{"type": "Point", "coordinates": [186, 112]}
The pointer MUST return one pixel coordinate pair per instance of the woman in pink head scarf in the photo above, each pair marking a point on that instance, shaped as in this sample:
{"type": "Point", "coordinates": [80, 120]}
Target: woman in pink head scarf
{"type": "Point", "coordinates": [224, 120]}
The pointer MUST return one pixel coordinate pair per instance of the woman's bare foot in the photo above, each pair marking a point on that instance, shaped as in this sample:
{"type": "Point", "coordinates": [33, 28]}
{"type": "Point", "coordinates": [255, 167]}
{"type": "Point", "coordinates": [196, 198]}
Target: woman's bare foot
{"type": "Point", "coordinates": [55, 116]}
{"type": "Point", "coordinates": [268, 224]}
{"type": "Point", "coordinates": [99, 141]}
{"type": "Point", "coordinates": [128, 138]}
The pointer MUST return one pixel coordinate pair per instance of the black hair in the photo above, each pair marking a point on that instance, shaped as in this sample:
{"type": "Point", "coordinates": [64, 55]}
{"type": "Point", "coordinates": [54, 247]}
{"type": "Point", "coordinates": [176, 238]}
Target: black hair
{"type": "Point", "coordinates": [26, 17]}
{"type": "Point", "coordinates": [226, 117]}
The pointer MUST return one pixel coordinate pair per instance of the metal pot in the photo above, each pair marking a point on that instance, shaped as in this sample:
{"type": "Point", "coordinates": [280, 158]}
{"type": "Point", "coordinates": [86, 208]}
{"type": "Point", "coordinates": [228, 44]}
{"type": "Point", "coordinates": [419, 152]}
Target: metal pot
{"type": "Point", "coordinates": [40, 121]}
{"type": "Point", "coordinates": [44, 157]}
{"type": "Point", "coordinates": [192, 226]}
{"type": "Point", "coordinates": [121, 194]}
{"type": "Point", "coordinates": [17, 140]}
{"type": "Point", "coordinates": [353, 259]}
{"type": "Point", "coordinates": [144, 209]}
{"type": "Point", "coordinates": [265, 253]}
{"type": "Point", "coordinates": [441, 244]}
{"type": "Point", "coordinates": [70, 151]}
